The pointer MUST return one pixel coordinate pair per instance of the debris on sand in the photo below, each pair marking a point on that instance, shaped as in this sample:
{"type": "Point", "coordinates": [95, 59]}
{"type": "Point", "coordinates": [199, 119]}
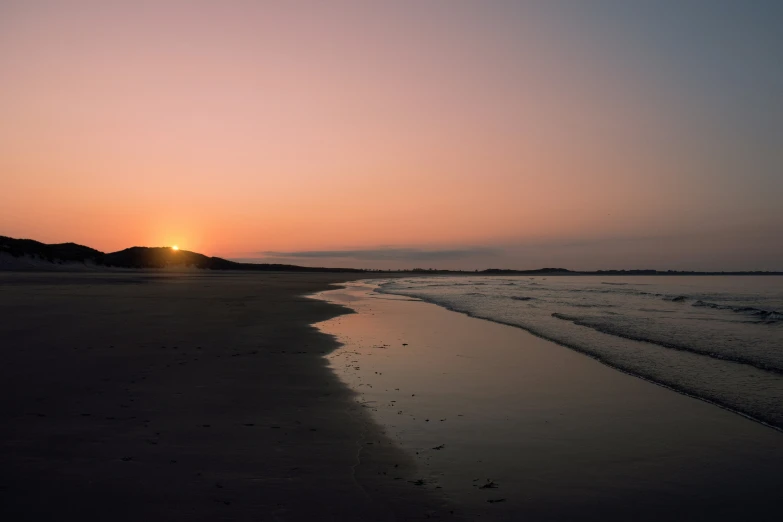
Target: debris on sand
{"type": "Point", "coordinates": [489, 485]}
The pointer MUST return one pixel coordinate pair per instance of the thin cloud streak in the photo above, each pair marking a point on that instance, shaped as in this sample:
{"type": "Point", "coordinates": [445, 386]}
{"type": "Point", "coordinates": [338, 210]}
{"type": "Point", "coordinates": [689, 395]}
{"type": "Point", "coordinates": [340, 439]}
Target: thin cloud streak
{"type": "Point", "coordinates": [741, 248]}
{"type": "Point", "coordinates": [388, 254]}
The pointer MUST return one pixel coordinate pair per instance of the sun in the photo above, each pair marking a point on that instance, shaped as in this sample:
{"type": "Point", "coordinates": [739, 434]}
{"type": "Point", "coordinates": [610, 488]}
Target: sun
{"type": "Point", "coordinates": [175, 247]}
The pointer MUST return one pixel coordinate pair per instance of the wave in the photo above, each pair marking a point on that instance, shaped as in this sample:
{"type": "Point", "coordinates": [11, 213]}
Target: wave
{"type": "Point", "coordinates": [719, 362]}
{"type": "Point", "coordinates": [616, 331]}
{"type": "Point", "coordinates": [709, 355]}
{"type": "Point", "coordinates": [761, 416]}
{"type": "Point", "coordinates": [585, 305]}
{"type": "Point", "coordinates": [768, 316]}
{"type": "Point", "coordinates": [622, 291]}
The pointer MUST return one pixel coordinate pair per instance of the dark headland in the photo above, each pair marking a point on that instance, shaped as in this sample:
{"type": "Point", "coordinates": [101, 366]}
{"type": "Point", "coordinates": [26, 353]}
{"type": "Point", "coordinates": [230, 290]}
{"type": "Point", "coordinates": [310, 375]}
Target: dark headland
{"type": "Point", "coordinates": [134, 257]}
{"type": "Point", "coordinates": [21, 254]}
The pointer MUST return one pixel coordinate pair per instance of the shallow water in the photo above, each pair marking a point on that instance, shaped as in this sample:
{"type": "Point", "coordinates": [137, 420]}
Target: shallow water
{"type": "Point", "coordinates": [553, 434]}
{"type": "Point", "coordinates": [719, 338]}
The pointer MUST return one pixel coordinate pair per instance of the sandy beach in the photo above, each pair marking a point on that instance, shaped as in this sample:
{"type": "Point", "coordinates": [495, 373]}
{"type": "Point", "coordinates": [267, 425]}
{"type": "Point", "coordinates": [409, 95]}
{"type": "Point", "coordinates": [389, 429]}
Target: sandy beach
{"type": "Point", "coordinates": [508, 425]}
{"type": "Point", "coordinates": [229, 396]}
{"type": "Point", "coordinates": [195, 396]}
{"type": "Point", "coordinates": [571, 211]}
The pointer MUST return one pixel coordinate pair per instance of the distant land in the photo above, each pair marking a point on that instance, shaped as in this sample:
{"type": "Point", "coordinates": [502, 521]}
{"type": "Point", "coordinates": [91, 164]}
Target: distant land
{"type": "Point", "coordinates": [28, 254]}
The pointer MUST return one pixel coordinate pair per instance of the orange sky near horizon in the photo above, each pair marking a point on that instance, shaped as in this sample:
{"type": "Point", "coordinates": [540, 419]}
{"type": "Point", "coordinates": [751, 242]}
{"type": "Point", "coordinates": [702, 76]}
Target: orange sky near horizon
{"type": "Point", "coordinates": [240, 128]}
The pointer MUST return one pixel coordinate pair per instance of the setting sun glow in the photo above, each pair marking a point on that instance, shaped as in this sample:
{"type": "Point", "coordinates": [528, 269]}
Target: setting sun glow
{"type": "Point", "coordinates": [569, 136]}
{"type": "Point", "coordinates": [175, 247]}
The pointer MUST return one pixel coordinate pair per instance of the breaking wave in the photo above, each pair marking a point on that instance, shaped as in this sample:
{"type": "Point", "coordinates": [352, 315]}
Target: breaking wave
{"type": "Point", "coordinates": [725, 348]}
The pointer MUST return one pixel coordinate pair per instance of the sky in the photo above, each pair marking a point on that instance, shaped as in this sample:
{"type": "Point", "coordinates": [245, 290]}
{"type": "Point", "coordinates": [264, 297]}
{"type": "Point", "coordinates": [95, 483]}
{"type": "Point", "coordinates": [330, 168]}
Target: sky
{"type": "Point", "coordinates": [448, 134]}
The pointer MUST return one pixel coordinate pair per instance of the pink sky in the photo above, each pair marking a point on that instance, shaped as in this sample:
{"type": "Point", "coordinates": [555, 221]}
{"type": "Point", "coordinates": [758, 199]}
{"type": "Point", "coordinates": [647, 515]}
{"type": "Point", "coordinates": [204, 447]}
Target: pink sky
{"type": "Point", "coordinates": [239, 128]}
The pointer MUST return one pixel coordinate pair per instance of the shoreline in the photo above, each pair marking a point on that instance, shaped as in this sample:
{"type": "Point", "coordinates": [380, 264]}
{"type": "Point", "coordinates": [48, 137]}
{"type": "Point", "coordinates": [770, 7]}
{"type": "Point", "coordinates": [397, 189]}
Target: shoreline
{"type": "Point", "coordinates": [186, 397]}
{"type": "Point", "coordinates": [648, 425]}
{"type": "Point", "coordinates": [714, 397]}
{"type": "Point", "coordinates": [608, 364]}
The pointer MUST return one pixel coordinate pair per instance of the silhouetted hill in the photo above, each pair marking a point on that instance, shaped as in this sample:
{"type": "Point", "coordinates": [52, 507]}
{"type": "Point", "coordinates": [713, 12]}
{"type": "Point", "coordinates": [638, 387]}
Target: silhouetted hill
{"type": "Point", "coordinates": [138, 257]}
{"type": "Point", "coordinates": [62, 252]}
{"type": "Point", "coordinates": [163, 257]}
{"type": "Point", "coordinates": [157, 257]}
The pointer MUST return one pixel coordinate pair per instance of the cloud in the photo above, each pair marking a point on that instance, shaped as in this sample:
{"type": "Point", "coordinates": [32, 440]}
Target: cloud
{"type": "Point", "coordinates": [388, 254]}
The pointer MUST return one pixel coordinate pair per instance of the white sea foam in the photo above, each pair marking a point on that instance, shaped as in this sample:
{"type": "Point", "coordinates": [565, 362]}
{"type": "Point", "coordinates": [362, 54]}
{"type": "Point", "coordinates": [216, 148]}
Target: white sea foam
{"type": "Point", "coordinates": [719, 338]}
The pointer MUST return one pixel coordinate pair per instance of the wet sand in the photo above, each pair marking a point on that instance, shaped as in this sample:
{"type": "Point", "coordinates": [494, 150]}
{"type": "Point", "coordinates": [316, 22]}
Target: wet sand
{"type": "Point", "coordinates": [164, 396]}
{"type": "Point", "coordinates": [510, 426]}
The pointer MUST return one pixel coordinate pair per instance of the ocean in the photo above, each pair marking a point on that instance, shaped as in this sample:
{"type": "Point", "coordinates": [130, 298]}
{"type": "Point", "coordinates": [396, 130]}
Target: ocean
{"type": "Point", "coordinates": [716, 338]}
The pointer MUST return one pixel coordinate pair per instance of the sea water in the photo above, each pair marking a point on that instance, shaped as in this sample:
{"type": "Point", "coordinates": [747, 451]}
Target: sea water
{"type": "Point", "coordinates": [717, 338]}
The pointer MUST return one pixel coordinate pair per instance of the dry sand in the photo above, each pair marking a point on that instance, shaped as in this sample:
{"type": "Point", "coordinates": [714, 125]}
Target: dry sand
{"type": "Point", "coordinates": [154, 396]}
